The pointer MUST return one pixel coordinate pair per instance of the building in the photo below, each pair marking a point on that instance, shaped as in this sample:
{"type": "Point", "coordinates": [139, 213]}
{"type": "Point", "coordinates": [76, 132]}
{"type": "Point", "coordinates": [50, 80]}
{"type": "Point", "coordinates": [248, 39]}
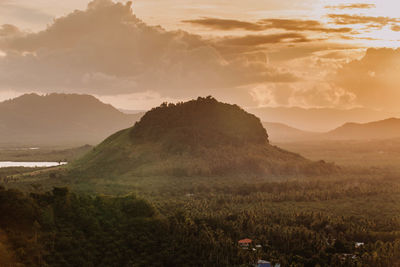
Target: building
{"type": "Point", "coordinates": [263, 263]}
{"type": "Point", "coordinates": [359, 244]}
{"type": "Point", "coordinates": [245, 243]}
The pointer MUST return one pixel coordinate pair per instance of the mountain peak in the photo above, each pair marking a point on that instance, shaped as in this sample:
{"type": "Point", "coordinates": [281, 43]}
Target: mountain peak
{"type": "Point", "coordinates": [200, 137]}
{"type": "Point", "coordinates": [59, 119]}
{"type": "Point", "coordinates": [201, 122]}
{"type": "Point", "coordinates": [382, 129]}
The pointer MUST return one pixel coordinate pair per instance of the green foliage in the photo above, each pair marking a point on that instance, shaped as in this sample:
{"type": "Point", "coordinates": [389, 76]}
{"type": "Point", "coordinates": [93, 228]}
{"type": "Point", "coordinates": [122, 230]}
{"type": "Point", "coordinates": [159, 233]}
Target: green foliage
{"type": "Point", "coordinates": [201, 137]}
{"type": "Point", "coordinates": [297, 223]}
{"type": "Point", "coordinates": [64, 229]}
{"type": "Point", "coordinates": [204, 122]}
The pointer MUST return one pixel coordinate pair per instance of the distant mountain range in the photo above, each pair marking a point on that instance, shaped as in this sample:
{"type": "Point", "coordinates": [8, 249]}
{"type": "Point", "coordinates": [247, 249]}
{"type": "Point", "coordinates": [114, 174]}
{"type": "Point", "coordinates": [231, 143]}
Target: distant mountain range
{"type": "Point", "coordinates": [75, 120]}
{"type": "Point", "coordinates": [384, 129]}
{"type": "Point", "coordinates": [59, 119]}
{"type": "Point", "coordinates": [282, 133]}
{"type": "Point", "coordinates": [377, 130]}
{"type": "Point", "coordinates": [318, 119]}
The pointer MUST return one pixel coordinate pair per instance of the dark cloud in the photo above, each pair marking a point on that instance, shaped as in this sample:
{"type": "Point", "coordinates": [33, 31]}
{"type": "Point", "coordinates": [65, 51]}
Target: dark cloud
{"type": "Point", "coordinates": [351, 6]}
{"type": "Point", "coordinates": [106, 50]}
{"type": "Point", "coordinates": [266, 24]}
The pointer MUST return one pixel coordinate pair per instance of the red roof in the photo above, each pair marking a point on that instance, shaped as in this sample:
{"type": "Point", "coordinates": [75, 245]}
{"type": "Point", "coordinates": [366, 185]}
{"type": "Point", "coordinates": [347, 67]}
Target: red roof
{"type": "Point", "coordinates": [245, 241]}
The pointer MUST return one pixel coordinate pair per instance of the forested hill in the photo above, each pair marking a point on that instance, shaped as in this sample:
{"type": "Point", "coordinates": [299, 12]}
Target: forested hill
{"type": "Point", "coordinates": [59, 120]}
{"type": "Point", "coordinates": [197, 138]}
{"type": "Point", "coordinates": [202, 122]}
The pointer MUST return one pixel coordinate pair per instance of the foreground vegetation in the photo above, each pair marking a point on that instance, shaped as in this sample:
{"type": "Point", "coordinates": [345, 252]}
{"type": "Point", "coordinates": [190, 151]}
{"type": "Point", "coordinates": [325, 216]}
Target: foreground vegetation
{"type": "Point", "coordinates": [187, 221]}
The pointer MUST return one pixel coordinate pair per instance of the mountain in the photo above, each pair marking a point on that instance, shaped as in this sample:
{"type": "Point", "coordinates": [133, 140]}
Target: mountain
{"type": "Point", "coordinates": [201, 137]}
{"type": "Point", "coordinates": [282, 133]}
{"type": "Point", "coordinates": [318, 119]}
{"type": "Point", "coordinates": [59, 120]}
{"type": "Point", "coordinates": [129, 111]}
{"type": "Point", "coordinates": [384, 129]}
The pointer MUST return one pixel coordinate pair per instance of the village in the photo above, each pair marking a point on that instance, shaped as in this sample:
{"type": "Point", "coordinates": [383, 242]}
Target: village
{"type": "Point", "coordinates": [252, 246]}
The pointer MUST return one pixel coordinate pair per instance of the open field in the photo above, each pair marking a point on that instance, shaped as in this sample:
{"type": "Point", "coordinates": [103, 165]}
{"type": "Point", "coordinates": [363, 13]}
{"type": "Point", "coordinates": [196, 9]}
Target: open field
{"type": "Point", "coordinates": [54, 154]}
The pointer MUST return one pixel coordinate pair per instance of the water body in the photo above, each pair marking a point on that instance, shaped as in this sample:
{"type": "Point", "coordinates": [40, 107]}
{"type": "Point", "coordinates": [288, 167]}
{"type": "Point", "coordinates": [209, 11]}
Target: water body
{"type": "Point", "coordinates": [5, 164]}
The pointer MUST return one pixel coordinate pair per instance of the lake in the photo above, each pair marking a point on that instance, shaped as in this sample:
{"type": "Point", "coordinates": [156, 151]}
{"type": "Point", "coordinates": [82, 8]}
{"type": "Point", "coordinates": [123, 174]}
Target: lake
{"type": "Point", "coordinates": [5, 164]}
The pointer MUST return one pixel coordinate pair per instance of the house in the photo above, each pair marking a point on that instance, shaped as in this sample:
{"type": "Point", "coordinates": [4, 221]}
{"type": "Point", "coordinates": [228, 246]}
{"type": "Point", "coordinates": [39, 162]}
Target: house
{"type": "Point", "coordinates": [345, 256]}
{"type": "Point", "coordinates": [245, 243]}
{"type": "Point", "coordinates": [263, 263]}
{"type": "Point", "coordinates": [359, 244]}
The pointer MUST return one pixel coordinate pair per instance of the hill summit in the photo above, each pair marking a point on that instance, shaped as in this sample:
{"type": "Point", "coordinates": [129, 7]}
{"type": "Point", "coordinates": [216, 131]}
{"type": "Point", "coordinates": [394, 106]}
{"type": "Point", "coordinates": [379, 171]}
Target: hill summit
{"type": "Point", "coordinates": [198, 137]}
{"type": "Point", "coordinates": [204, 122]}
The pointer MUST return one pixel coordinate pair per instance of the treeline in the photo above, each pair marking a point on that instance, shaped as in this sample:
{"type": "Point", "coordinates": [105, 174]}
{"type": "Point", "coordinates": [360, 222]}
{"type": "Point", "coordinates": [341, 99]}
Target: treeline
{"type": "Point", "coordinates": [301, 190]}
{"type": "Point", "coordinates": [60, 228]}
{"type": "Point", "coordinates": [63, 229]}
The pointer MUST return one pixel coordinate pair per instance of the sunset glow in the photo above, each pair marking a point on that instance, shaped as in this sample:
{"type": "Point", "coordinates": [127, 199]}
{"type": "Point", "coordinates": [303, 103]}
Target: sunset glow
{"type": "Point", "coordinates": [260, 133]}
{"type": "Point", "coordinates": [297, 45]}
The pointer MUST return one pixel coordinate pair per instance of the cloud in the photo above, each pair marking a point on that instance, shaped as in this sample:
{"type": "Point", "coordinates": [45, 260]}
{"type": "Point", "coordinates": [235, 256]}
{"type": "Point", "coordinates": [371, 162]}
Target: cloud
{"type": "Point", "coordinates": [375, 22]}
{"type": "Point", "coordinates": [266, 24]}
{"type": "Point", "coordinates": [395, 28]}
{"type": "Point", "coordinates": [302, 95]}
{"type": "Point", "coordinates": [20, 12]}
{"type": "Point", "coordinates": [226, 24]}
{"type": "Point", "coordinates": [106, 50]}
{"type": "Point", "coordinates": [301, 25]}
{"type": "Point", "coordinates": [351, 6]}
{"type": "Point", "coordinates": [374, 79]}
{"type": "Point", "coordinates": [8, 30]}
{"type": "Point", "coordinates": [256, 40]}
{"type": "Point", "coordinates": [301, 50]}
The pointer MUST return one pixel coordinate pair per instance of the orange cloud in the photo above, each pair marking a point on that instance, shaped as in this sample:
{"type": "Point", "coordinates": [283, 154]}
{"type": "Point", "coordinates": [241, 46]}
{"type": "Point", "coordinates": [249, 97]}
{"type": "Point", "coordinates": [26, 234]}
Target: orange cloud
{"type": "Point", "coordinates": [301, 25]}
{"type": "Point", "coordinates": [351, 6]}
{"type": "Point", "coordinates": [266, 24]}
{"type": "Point", "coordinates": [395, 28]}
{"type": "Point", "coordinates": [226, 24]}
{"type": "Point", "coordinates": [374, 79]}
{"type": "Point", "coordinates": [256, 40]}
{"type": "Point", "coordinates": [375, 22]}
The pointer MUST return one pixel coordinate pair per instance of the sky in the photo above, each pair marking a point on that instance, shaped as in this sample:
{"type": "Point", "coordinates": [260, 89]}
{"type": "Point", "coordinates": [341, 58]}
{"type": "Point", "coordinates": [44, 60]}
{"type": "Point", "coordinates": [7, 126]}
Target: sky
{"type": "Point", "coordinates": [255, 53]}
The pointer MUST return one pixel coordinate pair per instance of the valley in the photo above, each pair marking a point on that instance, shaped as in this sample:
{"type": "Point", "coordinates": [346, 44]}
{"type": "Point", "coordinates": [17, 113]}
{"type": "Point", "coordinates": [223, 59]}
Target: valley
{"type": "Point", "coordinates": [227, 183]}
{"type": "Point", "coordinates": [199, 133]}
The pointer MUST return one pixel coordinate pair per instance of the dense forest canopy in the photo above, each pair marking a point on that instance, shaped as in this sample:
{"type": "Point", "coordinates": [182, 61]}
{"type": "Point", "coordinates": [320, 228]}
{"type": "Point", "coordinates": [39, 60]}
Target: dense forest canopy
{"type": "Point", "coordinates": [352, 222]}
{"type": "Point", "coordinates": [201, 122]}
